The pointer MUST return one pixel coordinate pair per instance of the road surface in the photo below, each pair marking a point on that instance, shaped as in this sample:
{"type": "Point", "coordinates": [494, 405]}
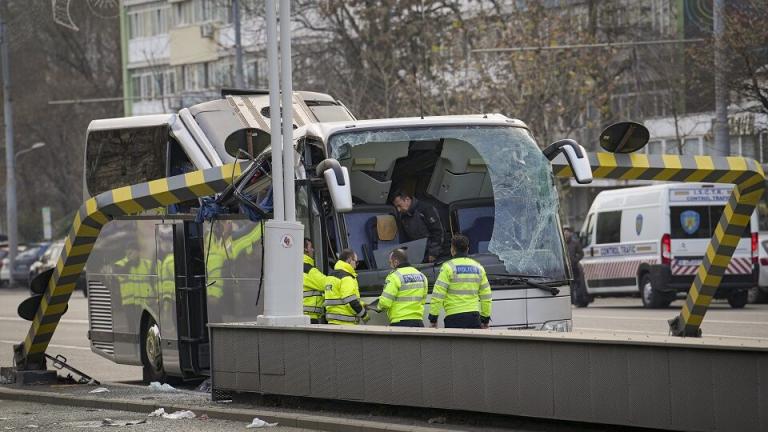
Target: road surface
{"type": "Point", "coordinates": [621, 315]}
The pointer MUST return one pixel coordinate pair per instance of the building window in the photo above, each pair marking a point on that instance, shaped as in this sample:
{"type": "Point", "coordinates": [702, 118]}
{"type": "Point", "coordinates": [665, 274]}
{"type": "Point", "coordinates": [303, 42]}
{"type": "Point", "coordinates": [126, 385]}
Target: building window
{"type": "Point", "coordinates": [691, 146]}
{"type": "Point", "coordinates": [147, 22]}
{"type": "Point", "coordinates": [195, 11]}
{"type": "Point", "coordinates": [195, 76]}
{"type": "Point", "coordinates": [654, 147]}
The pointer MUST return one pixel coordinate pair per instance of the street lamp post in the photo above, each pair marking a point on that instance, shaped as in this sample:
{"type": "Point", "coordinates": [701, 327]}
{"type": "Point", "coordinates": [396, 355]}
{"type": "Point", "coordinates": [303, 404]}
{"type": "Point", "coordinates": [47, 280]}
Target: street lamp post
{"type": "Point", "coordinates": [10, 202]}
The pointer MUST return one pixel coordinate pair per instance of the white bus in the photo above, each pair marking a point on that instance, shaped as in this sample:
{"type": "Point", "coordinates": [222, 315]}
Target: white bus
{"type": "Point", "coordinates": [156, 278]}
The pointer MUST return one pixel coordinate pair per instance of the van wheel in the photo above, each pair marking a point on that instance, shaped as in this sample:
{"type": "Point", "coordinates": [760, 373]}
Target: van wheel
{"type": "Point", "coordinates": [151, 353]}
{"type": "Point", "coordinates": [652, 298]}
{"type": "Point", "coordinates": [756, 295]}
{"type": "Point", "coordinates": [738, 299]}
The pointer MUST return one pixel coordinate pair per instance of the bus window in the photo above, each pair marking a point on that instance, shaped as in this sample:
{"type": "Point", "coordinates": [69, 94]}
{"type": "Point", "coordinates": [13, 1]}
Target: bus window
{"type": "Point", "coordinates": [608, 227]}
{"type": "Point", "coordinates": [123, 157]}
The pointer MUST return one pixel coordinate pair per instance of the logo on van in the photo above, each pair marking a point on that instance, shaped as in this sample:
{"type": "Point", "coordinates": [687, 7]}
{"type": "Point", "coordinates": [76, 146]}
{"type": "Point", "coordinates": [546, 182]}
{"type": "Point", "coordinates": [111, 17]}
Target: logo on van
{"type": "Point", "coordinates": [690, 221]}
{"type": "Point", "coordinates": [639, 224]}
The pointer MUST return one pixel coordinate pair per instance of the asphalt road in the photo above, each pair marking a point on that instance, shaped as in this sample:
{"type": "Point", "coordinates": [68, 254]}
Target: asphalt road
{"type": "Point", "coordinates": [621, 315]}
{"type": "Point", "coordinates": [16, 415]}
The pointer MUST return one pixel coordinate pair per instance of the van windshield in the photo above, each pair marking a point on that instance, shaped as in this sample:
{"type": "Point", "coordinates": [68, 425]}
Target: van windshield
{"type": "Point", "coordinates": [456, 168]}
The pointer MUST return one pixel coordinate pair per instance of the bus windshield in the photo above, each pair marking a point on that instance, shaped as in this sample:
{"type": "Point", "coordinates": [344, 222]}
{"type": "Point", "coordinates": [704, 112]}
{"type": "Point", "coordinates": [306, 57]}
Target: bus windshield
{"type": "Point", "coordinates": [521, 193]}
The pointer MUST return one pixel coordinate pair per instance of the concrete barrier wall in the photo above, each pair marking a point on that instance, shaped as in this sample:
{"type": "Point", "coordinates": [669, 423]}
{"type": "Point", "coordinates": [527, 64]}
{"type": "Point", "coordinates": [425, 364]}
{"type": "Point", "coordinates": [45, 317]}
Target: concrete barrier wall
{"type": "Point", "coordinates": [689, 384]}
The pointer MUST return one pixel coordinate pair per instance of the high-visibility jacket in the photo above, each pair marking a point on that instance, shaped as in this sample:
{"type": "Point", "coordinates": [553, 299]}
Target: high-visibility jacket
{"type": "Point", "coordinates": [404, 295]}
{"type": "Point", "coordinates": [135, 281]}
{"type": "Point", "coordinates": [342, 296]}
{"type": "Point", "coordinates": [314, 289]}
{"type": "Point", "coordinates": [462, 286]}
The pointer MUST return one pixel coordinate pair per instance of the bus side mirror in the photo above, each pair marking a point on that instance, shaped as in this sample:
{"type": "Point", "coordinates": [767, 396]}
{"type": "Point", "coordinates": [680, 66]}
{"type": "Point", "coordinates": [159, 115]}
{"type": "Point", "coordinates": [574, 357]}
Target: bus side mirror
{"type": "Point", "coordinates": [337, 179]}
{"type": "Point", "coordinates": [576, 157]}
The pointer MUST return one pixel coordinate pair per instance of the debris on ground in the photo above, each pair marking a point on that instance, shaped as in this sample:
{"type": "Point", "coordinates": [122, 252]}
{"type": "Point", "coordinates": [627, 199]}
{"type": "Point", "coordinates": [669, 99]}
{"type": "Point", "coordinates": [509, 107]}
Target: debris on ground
{"type": "Point", "coordinates": [259, 423]}
{"type": "Point", "coordinates": [110, 422]}
{"type": "Point", "coordinates": [31, 426]}
{"type": "Point", "coordinates": [178, 415]}
{"type": "Point", "coordinates": [205, 386]}
{"type": "Point", "coordinates": [100, 390]}
{"type": "Point", "coordinates": [436, 420]}
{"type": "Point", "coordinates": [157, 413]}
{"type": "Point", "coordinates": [156, 386]}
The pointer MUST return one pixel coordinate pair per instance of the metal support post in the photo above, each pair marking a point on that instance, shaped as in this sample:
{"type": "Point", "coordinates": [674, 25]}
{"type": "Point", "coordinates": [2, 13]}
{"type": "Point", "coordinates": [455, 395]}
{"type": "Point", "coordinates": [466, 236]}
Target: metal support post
{"type": "Point", "coordinates": [721, 132]}
{"type": "Point", "coordinates": [239, 81]}
{"type": "Point", "coordinates": [10, 157]}
{"type": "Point", "coordinates": [274, 111]}
{"type": "Point", "coordinates": [283, 277]}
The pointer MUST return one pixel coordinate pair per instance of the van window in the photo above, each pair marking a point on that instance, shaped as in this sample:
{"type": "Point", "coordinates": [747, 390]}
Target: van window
{"type": "Point", "coordinates": [122, 157]}
{"type": "Point", "coordinates": [586, 235]}
{"type": "Point", "coordinates": [696, 222]}
{"type": "Point", "coordinates": [608, 227]}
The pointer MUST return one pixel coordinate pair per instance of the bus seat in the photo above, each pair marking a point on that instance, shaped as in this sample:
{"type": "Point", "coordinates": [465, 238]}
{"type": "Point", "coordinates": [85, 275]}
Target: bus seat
{"type": "Point", "coordinates": [480, 232]}
{"type": "Point", "coordinates": [382, 233]}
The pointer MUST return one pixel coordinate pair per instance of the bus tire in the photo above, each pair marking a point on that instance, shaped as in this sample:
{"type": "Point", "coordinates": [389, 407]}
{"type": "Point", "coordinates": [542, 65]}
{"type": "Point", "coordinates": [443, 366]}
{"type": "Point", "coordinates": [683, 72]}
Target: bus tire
{"type": "Point", "coordinates": [151, 352]}
{"type": "Point", "coordinates": [756, 295]}
{"type": "Point", "coordinates": [651, 297]}
{"type": "Point", "coordinates": [738, 299]}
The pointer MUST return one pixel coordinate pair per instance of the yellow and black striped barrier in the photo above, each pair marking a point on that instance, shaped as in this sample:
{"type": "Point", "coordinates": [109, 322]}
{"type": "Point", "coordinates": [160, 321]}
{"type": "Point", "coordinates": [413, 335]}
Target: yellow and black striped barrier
{"type": "Point", "coordinates": [748, 178]}
{"type": "Point", "coordinates": [89, 220]}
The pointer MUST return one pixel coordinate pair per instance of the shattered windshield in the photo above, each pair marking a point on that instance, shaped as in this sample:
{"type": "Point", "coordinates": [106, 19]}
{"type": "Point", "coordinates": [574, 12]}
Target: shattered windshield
{"type": "Point", "coordinates": [525, 234]}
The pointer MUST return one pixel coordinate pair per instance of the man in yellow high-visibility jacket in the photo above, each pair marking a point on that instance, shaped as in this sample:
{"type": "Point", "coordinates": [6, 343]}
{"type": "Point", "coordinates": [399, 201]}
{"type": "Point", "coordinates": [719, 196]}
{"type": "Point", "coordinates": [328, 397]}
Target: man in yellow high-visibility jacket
{"type": "Point", "coordinates": [405, 292]}
{"type": "Point", "coordinates": [314, 285]}
{"type": "Point", "coordinates": [342, 295]}
{"type": "Point", "coordinates": [462, 289]}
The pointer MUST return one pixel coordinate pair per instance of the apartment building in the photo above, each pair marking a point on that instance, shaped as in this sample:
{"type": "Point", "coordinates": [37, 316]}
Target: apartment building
{"type": "Point", "coordinates": [180, 52]}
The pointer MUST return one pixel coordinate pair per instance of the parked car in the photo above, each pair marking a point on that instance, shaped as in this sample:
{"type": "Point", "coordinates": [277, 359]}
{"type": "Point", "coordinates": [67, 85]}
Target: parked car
{"type": "Point", "coordinates": [48, 261]}
{"type": "Point", "coordinates": [759, 293]}
{"type": "Point", "coordinates": [24, 260]}
{"type": "Point", "coordinates": [5, 272]}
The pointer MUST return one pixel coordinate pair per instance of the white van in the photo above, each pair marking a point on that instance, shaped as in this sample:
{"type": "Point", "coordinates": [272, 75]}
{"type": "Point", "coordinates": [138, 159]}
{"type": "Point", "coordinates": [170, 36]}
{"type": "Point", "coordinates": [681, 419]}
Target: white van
{"type": "Point", "coordinates": [650, 241]}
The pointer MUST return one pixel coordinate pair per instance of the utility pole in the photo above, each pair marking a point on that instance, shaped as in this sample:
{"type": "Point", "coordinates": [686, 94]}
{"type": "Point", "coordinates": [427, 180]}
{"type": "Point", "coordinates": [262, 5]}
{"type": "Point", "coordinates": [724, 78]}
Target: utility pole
{"type": "Point", "coordinates": [721, 132]}
{"type": "Point", "coordinates": [239, 81]}
{"type": "Point", "coordinates": [10, 157]}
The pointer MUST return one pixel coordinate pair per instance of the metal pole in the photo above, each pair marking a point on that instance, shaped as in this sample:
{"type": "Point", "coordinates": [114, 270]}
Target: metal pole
{"type": "Point", "coordinates": [283, 239]}
{"type": "Point", "coordinates": [286, 81]}
{"type": "Point", "coordinates": [10, 156]}
{"type": "Point", "coordinates": [721, 132]}
{"type": "Point", "coordinates": [239, 81]}
{"type": "Point", "coordinates": [274, 112]}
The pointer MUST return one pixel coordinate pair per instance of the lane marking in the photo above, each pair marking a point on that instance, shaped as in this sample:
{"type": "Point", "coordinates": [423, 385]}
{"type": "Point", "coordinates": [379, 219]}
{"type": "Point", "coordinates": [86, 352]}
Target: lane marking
{"type": "Point", "coordinates": [667, 333]}
{"type": "Point", "coordinates": [81, 348]}
{"type": "Point", "coordinates": [64, 321]}
{"type": "Point", "coordinates": [580, 316]}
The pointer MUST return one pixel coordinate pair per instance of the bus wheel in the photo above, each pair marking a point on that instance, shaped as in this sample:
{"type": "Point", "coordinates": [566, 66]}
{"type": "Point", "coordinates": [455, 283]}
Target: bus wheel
{"type": "Point", "coordinates": [652, 298]}
{"type": "Point", "coordinates": [151, 353]}
{"type": "Point", "coordinates": [738, 299]}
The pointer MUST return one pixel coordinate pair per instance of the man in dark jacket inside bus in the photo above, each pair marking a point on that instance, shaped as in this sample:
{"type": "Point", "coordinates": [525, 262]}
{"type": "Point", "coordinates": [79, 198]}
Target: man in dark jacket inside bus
{"type": "Point", "coordinates": [421, 220]}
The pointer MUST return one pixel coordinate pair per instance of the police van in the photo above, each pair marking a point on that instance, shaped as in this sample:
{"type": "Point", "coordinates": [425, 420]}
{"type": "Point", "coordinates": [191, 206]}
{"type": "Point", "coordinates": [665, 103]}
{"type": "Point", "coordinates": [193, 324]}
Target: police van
{"type": "Point", "coordinates": [649, 241]}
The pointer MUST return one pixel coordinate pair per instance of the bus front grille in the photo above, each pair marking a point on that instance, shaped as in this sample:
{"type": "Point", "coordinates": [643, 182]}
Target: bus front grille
{"type": "Point", "coordinates": [100, 313]}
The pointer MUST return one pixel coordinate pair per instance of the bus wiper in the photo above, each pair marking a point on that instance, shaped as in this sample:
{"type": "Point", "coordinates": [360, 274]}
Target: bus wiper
{"type": "Point", "coordinates": [524, 279]}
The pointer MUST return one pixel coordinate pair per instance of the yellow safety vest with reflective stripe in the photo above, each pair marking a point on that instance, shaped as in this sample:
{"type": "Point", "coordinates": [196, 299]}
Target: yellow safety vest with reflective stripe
{"type": "Point", "coordinates": [341, 289]}
{"type": "Point", "coordinates": [462, 286]}
{"type": "Point", "coordinates": [314, 289]}
{"type": "Point", "coordinates": [404, 295]}
{"type": "Point", "coordinates": [135, 282]}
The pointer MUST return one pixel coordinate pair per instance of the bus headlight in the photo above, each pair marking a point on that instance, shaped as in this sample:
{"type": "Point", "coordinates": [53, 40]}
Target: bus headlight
{"type": "Point", "coordinates": [558, 326]}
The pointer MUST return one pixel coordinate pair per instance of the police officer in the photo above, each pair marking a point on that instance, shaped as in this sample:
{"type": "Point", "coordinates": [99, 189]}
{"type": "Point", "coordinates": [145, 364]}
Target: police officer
{"type": "Point", "coordinates": [579, 295]}
{"type": "Point", "coordinates": [420, 220]}
{"type": "Point", "coordinates": [405, 292]}
{"type": "Point", "coordinates": [342, 295]}
{"type": "Point", "coordinates": [462, 289]}
{"type": "Point", "coordinates": [314, 285]}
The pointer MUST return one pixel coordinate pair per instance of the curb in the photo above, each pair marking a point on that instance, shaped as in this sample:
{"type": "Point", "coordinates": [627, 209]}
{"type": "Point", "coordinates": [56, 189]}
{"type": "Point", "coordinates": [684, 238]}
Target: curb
{"type": "Point", "coordinates": [334, 424]}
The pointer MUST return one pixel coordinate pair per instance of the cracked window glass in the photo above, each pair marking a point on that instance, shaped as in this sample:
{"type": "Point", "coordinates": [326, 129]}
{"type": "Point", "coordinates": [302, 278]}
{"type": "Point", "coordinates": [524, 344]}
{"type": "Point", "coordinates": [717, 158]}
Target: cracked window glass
{"type": "Point", "coordinates": [526, 235]}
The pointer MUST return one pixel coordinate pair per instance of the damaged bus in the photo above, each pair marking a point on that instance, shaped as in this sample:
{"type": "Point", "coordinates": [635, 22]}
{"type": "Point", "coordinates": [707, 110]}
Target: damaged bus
{"type": "Point", "coordinates": [157, 277]}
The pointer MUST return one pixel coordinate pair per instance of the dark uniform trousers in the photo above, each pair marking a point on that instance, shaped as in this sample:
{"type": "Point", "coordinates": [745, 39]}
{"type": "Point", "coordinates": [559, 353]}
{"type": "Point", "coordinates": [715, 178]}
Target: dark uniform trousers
{"type": "Point", "coordinates": [470, 320]}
